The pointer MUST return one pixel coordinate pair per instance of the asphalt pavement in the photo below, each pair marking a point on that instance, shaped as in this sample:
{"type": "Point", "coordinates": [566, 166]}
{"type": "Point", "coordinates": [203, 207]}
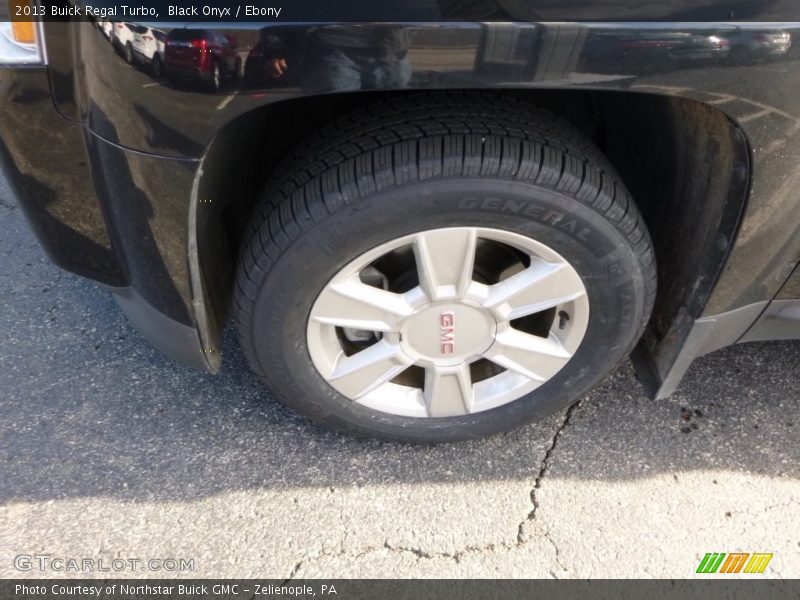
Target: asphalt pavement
{"type": "Point", "coordinates": [109, 450]}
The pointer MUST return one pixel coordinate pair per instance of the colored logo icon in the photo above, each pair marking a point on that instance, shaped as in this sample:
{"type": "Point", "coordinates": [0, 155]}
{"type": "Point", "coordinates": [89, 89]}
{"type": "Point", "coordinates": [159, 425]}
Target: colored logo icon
{"type": "Point", "coordinates": [734, 562]}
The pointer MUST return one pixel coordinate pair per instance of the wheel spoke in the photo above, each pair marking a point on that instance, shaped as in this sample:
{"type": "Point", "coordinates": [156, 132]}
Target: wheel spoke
{"type": "Point", "coordinates": [445, 259]}
{"type": "Point", "coordinates": [446, 320]}
{"type": "Point", "coordinates": [541, 286]}
{"type": "Point", "coordinates": [359, 374]}
{"type": "Point", "coordinates": [529, 355]}
{"type": "Point", "coordinates": [448, 391]}
{"type": "Point", "coordinates": [359, 306]}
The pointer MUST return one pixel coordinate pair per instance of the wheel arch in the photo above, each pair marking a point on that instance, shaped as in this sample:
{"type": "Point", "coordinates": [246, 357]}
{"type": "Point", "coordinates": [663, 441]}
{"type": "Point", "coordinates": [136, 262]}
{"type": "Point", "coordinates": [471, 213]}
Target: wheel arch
{"type": "Point", "coordinates": [686, 164]}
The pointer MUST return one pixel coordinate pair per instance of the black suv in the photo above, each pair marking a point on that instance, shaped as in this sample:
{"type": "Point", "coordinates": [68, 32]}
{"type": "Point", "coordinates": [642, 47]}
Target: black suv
{"type": "Point", "coordinates": [428, 227]}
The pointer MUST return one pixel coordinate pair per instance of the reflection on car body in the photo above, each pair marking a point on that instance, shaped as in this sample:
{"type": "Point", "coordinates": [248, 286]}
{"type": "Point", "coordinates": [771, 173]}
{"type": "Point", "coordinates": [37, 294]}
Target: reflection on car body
{"type": "Point", "coordinates": [661, 50]}
{"type": "Point", "coordinates": [122, 39]}
{"type": "Point", "coordinates": [332, 58]}
{"type": "Point", "coordinates": [759, 45]}
{"type": "Point", "coordinates": [148, 48]}
{"type": "Point", "coordinates": [106, 26]}
{"type": "Point", "coordinates": [201, 55]}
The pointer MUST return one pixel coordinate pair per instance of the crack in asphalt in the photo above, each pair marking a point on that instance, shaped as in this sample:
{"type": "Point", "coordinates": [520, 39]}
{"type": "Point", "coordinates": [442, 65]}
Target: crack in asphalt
{"type": "Point", "coordinates": [561, 565]}
{"type": "Point", "coordinates": [537, 484]}
{"type": "Point", "coordinates": [8, 204]}
{"type": "Point", "coordinates": [545, 466]}
{"type": "Point", "coordinates": [456, 556]}
{"type": "Point", "coordinates": [296, 568]}
{"type": "Point", "coordinates": [421, 554]}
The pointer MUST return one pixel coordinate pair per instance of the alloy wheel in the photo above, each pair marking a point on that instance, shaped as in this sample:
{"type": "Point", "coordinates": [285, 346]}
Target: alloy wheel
{"type": "Point", "coordinates": [448, 322]}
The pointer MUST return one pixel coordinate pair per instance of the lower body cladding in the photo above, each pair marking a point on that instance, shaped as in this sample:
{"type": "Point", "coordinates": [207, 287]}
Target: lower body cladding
{"type": "Point", "coordinates": [148, 204]}
{"type": "Point", "coordinates": [761, 321]}
{"type": "Point", "coordinates": [777, 319]}
{"type": "Point", "coordinates": [118, 217]}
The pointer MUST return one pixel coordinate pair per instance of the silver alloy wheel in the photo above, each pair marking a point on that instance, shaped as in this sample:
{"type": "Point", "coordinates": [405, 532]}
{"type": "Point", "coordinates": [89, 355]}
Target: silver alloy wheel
{"type": "Point", "coordinates": [477, 318]}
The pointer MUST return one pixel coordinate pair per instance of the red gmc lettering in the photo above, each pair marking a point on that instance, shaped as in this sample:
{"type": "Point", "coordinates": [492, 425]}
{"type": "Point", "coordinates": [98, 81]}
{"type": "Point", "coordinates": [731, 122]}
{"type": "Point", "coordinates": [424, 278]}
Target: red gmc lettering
{"type": "Point", "coordinates": [447, 332]}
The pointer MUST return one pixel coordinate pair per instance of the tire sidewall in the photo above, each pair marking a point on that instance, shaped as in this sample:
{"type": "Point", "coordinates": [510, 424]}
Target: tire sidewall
{"type": "Point", "coordinates": [600, 253]}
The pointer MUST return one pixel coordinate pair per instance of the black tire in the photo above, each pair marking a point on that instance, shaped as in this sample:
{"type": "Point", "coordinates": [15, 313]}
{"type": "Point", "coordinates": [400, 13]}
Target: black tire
{"type": "Point", "coordinates": [128, 53]}
{"type": "Point", "coordinates": [427, 161]}
{"type": "Point", "coordinates": [173, 77]}
{"type": "Point", "coordinates": [157, 66]}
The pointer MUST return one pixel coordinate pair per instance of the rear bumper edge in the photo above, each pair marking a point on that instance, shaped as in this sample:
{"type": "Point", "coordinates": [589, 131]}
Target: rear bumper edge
{"type": "Point", "coordinates": [175, 339]}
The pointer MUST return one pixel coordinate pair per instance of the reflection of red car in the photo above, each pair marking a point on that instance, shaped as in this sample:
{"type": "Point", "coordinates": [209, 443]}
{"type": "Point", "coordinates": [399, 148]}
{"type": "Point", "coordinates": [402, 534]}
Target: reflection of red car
{"type": "Point", "coordinates": [201, 54]}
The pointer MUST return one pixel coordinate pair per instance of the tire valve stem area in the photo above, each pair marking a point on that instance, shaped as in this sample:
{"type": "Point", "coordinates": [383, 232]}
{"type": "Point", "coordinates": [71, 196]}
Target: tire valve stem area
{"type": "Point", "coordinates": [360, 335]}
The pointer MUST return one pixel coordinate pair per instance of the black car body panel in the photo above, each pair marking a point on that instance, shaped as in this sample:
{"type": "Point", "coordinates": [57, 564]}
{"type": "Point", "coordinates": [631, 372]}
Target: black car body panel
{"type": "Point", "coordinates": [123, 183]}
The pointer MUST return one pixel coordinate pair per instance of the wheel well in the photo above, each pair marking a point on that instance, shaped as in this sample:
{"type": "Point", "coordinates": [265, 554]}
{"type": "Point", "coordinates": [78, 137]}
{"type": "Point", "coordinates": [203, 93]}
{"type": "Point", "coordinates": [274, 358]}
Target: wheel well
{"type": "Point", "coordinates": [685, 163]}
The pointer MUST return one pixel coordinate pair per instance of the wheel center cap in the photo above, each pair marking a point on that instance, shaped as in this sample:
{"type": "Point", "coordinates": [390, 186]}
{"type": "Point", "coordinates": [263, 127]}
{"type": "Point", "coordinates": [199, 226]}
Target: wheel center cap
{"type": "Point", "coordinates": [447, 333]}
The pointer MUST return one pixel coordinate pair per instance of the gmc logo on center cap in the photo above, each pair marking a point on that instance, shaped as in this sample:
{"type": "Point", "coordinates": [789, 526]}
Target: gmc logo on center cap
{"type": "Point", "coordinates": [447, 332]}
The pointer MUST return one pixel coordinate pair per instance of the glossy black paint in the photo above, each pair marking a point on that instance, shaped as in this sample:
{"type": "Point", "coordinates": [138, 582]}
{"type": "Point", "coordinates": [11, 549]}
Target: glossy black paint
{"type": "Point", "coordinates": [45, 161]}
{"type": "Point", "coordinates": [146, 145]}
{"type": "Point", "coordinates": [791, 288]}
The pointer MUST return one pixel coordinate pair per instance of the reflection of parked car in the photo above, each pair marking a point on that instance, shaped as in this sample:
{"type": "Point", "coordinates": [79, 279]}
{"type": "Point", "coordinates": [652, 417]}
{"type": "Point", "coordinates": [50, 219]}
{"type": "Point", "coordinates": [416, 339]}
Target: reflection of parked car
{"type": "Point", "coordinates": [105, 26]}
{"type": "Point", "coordinates": [122, 38]}
{"type": "Point", "coordinates": [148, 48]}
{"type": "Point", "coordinates": [681, 47]}
{"type": "Point", "coordinates": [759, 44]}
{"type": "Point", "coordinates": [659, 50]}
{"type": "Point", "coordinates": [201, 54]}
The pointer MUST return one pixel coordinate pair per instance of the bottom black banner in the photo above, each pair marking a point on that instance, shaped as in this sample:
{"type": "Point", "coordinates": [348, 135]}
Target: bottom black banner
{"type": "Point", "coordinates": [390, 589]}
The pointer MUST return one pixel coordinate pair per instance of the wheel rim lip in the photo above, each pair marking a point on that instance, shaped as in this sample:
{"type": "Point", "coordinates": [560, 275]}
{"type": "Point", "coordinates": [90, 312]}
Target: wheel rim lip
{"type": "Point", "coordinates": [489, 393]}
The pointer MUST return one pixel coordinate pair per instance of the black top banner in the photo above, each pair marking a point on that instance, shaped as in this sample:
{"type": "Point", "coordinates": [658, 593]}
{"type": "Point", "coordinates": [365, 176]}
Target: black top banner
{"type": "Point", "coordinates": [355, 11]}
